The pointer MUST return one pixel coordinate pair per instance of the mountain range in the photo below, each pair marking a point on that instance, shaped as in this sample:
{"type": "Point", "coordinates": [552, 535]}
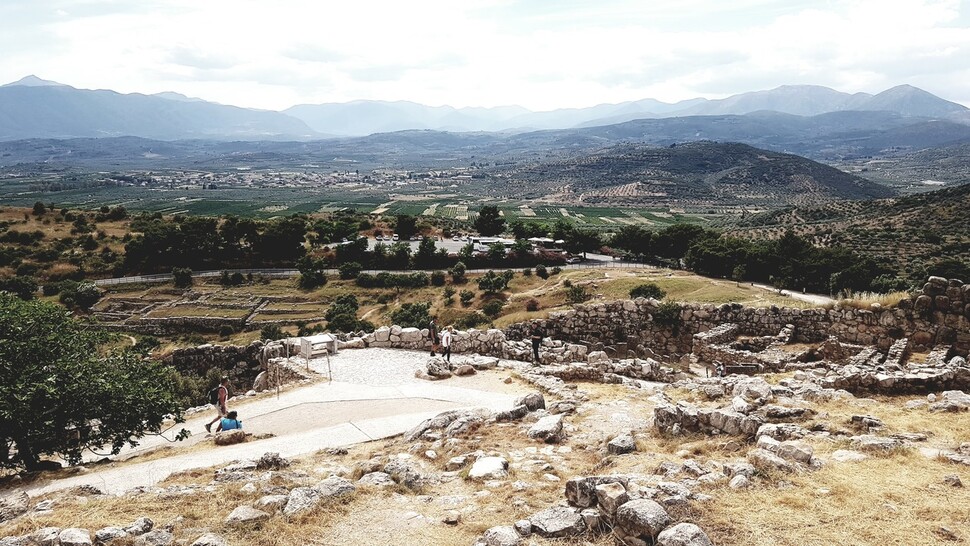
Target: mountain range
{"type": "Point", "coordinates": [37, 108]}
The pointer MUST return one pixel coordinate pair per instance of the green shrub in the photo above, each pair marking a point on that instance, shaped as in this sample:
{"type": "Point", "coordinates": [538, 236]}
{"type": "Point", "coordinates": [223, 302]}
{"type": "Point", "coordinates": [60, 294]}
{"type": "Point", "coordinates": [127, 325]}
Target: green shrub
{"type": "Point", "coordinates": [493, 308]}
{"type": "Point", "coordinates": [271, 332]}
{"type": "Point", "coordinates": [555, 270]}
{"type": "Point", "coordinates": [350, 270]}
{"type": "Point", "coordinates": [466, 297]}
{"type": "Point", "coordinates": [667, 314]}
{"type": "Point", "coordinates": [648, 290]}
{"type": "Point", "coordinates": [527, 272]}
{"type": "Point", "coordinates": [457, 273]}
{"type": "Point", "coordinates": [472, 320]}
{"type": "Point", "coordinates": [412, 315]}
{"type": "Point", "coordinates": [532, 305]}
{"type": "Point", "coordinates": [577, 294]}
{"type": "Point", "coordinates": [182, 277]}
{"type": "Point", "coordinates": [541, 272]}
{"type": "Point", "coordinates": [437, 278]}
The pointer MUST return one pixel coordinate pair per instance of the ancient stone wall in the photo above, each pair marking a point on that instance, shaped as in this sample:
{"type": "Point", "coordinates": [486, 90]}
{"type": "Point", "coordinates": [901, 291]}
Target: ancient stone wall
{"type": "Point", "coordinates": [240, 363]}
{"type": "Point", "coordinates": [938, 315]}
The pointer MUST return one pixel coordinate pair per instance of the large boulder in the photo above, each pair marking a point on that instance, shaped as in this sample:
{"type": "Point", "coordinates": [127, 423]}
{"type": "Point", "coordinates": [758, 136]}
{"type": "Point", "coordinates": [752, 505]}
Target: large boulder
{"type": "Point", "coordinates": [500, 536]}
{"type": "Point", "coordinates": [13, 505]}
{"type": "Point", "coordinates": [683, 534]}
{"type": "Point", "coordinates": [210, 539]}
{"type": "Point", "coordinates": [548, 429]}
{"type": "Point", "coordinates": [621, 445]}
{"type": "Point", "coordinates": [489, 468]}
{"type": "Point", "coordinates": [74, 536]}
{"type": "Point", "coordinates": [641, 519]}
{"type": "Point", "coordinates": [158, 537]}
{"type": "Point", "coordinates": [754, 389]}
{"type": "Point", "coordinates": [334, 487]}
{"type": "Point", "coordinates": [229, 437]}
{"type": "Point", "coordinates": [108, 534]}
{"type": "Point", "coordinates": [45, 536]}
{"type": "Point", "coordinates": [533, 401]}
{"type": "Point", "coordinates": [556, 522]}
{"type": "Point", "coordinates": [244, 516]}
{"type": "Point", "coordinates": [300, 500]}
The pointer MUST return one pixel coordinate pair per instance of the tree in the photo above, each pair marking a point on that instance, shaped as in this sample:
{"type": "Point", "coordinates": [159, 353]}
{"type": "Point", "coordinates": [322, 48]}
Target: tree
{"type": "Point", "coordinates": [182, 277]}
{"type": "Point", "coordinates": [39, 209]}
{"type": "Point", "coordinates": [350, 270]}
{"type": "Point", "coordinates": [425, 257]}
{"type": "Point", "coordinates": [493, 308]}
{"type": "Point", "coordinates": [457, 273]}
{"type": "Point", "coordinates": [57, 395]}
{"type": "Point", "coordinates": [466, 297]}
{"type": "Point", "coordinates": [312, 272]}
{"type": "Point", "coordinates": [406, 226]}
{"type": "Point", "coordinates": [489, 221]}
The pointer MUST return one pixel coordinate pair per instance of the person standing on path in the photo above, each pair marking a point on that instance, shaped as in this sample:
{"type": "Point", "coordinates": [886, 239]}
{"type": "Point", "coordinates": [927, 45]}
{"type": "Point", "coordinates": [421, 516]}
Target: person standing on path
{"type": "Point", "coordinates": [433, 334]}
{"type": "Point", "coordinates": [221, 408]}
{"type": "Point", "coordinates": [446, 339]}
{"type": "Point", "coordinates": [536, 335]}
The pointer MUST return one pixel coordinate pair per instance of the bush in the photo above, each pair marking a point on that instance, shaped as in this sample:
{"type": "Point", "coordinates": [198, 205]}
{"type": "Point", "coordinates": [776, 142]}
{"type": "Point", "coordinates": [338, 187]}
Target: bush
{"type": "Point", "coordinates": [385, 298]}
{"type": "Point", "coordinates": [22, 287]}
{"type": "Point", "coordinates": [457, 273]}
{"type": "Point", "coordinates": [541, 272]}
{"type": "Point", "coordinates": [555, 270]}
{"type": "Point", "coordinates": [391, 280]}
{"type": "Point", "coordinates": [472, 320]}
{"type": "Point", "coordinates": [527, 272]}
{"type": "Point", "coordinates": [312, 273]}
{"type": "Point", "coordinates": [350, 270]}
{"type": "Point", "coordinates": [146, 344]}
{"type": "Point", "coordinates": [412, 315]}
{"type": "Point", "coordinates": [576, 294]}
{"type": "Point", "coordinates": [567, 283]}
{"type": "Point", "coordinates": [492, 282]}
{"type": "Point", "coordinates": [225, 331]}
{"type": "Point", "coordinates": [466, 297]}
{"type": "Point", "coordinates": [532, 305]}
{"type": "Point", "coordinates": [667, 314]}
{"type": "Point", "coordinates": [271, 332]}
{"type": "Point", "coordinates": [648, 290]}
{"type": "Point", "coordinates": [449, 295]}
{"type": "Point", "coordinates": [437, 278]}
{"type": "Point", "coordinates": [182, 276]}
{"type": "Point", "coordinates": [493, 308]}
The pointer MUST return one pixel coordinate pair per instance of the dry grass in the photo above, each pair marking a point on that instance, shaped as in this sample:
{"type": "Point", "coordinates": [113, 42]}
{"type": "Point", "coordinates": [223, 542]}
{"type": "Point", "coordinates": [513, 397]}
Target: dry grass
{"type": "Point", "coordinates": [870, 502]}
{"type": "Point", "coordinates": [864, 300]}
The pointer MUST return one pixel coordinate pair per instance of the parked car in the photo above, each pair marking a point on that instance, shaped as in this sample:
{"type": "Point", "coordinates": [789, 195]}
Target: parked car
{"type": "Point", "coordinates": [574, 260]}
{"type": "Point", "coordinates": [396, 237]}
{"type": "Point", "coordinates": [379, 238]}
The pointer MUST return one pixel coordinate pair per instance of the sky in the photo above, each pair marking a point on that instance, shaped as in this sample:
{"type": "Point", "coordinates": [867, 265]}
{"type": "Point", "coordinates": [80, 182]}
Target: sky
{"type": "Point", "coordinates": [540, 54]}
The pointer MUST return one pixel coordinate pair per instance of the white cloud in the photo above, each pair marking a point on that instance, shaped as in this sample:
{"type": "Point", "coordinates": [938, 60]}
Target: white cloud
{"type": "Point", "coordinates": [485, 52]}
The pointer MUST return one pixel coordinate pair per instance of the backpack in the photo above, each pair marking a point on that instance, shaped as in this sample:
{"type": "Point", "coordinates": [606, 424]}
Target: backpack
{"type": "Point", "coordinates": [214, 395]}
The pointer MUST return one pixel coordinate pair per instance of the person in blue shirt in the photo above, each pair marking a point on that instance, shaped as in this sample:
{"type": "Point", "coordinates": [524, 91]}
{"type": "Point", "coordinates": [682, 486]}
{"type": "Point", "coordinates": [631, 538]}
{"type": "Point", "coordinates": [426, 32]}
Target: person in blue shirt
{"type": "Point", "coordinates": [229, 422]}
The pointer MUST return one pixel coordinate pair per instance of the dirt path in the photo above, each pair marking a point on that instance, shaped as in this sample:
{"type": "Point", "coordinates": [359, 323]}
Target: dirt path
{"type": "Point", "coordinates": [374, 395]}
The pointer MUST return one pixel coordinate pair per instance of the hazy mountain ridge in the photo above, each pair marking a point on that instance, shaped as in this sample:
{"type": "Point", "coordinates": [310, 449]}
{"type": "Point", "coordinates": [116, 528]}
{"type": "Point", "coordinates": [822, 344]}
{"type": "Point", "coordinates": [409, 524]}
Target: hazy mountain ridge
{"type": "Point", "coordinates": [55, 111]}
{"type": "Point", "coordinates": [37, 108]}
{"type": "Point", "coordinates": [698, 174]}
{"type": "Point", "coordinates": [365, 117]}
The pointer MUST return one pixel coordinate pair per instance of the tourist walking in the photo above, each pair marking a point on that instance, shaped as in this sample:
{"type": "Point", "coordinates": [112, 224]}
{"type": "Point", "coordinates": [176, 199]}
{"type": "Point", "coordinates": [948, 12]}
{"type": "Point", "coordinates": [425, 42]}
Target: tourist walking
{"type": "Point", "coordinates": [536, 335]}
{"type": "Point", "coordinates": [433, 334]}
{"type": "Point", "coordinates": [218, 398]}
{"type": "Point", "coordinates": [446, 338]}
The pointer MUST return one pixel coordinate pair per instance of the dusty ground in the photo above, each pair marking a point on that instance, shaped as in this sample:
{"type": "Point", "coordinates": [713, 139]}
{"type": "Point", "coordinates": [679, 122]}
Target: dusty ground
{"type": "Point", "coordinates": [896, 498]}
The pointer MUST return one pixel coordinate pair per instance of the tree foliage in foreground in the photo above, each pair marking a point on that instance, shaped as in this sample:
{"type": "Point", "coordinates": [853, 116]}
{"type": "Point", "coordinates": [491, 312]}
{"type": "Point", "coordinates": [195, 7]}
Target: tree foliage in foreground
{"type": "Point", "coordinates": [58, 396]}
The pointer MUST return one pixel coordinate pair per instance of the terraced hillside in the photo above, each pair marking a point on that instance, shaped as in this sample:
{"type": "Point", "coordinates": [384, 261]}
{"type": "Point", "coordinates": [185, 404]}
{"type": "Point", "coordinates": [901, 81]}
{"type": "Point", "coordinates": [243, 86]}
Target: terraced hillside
{"type": "Point", "coordinates": [909, 232]}
{"type": "Point", "coordinates": [700, 173]}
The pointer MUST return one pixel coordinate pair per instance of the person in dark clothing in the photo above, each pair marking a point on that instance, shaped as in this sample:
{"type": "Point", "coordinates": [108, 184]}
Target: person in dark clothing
{"type": "Point", "coordinates": [433, 334]}
{"type": "Point", "coordinates": [536, 335]}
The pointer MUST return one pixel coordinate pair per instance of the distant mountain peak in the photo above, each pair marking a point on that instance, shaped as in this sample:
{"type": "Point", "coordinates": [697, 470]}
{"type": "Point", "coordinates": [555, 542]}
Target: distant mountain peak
{"type": "Point", "coordinates": [34, 81]}
{"type": "Point", "coordinates": [172, 95]}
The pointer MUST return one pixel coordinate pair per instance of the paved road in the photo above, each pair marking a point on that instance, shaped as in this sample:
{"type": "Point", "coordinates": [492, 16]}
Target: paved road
{"type": "Point", "coordinates": [374, 395]}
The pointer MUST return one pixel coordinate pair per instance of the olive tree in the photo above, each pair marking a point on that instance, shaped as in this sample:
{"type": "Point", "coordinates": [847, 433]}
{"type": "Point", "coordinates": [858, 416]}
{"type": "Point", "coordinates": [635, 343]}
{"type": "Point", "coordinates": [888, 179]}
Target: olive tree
{"type": "Point", "coordinates": [60, 396]}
